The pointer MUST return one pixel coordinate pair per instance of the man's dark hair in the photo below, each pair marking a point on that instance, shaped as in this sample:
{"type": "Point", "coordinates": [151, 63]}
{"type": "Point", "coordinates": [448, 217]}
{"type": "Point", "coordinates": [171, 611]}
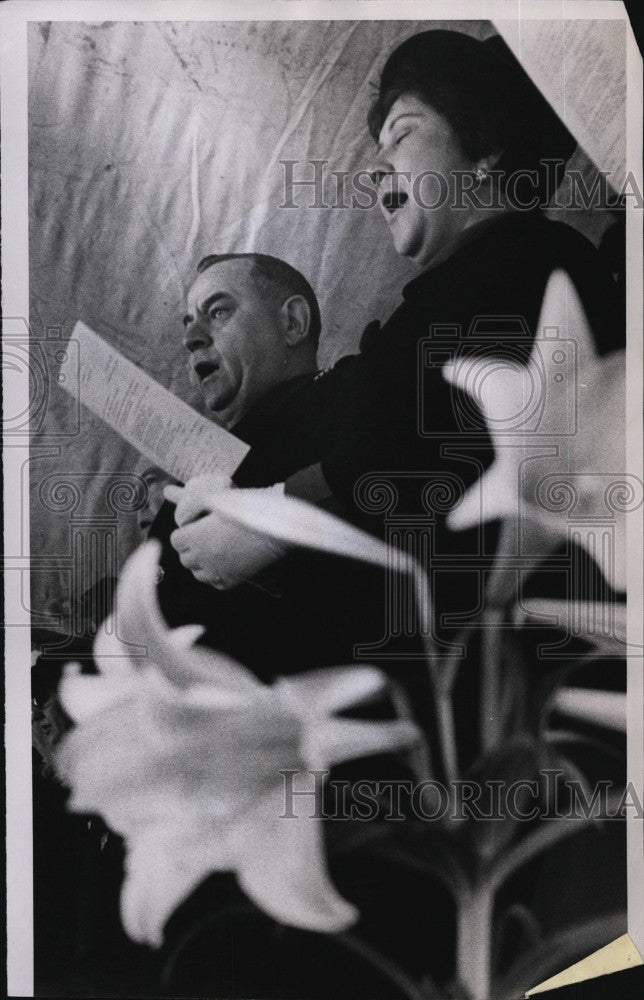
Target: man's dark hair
{"type": "Point", "coordinates": [276, 276]}
{"type": "Point", "coordinates": [483, 93]}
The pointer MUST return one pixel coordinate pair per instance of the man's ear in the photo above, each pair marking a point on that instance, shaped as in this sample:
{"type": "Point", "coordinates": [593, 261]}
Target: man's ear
{"type": "Point", "coordinates": [296, 313]}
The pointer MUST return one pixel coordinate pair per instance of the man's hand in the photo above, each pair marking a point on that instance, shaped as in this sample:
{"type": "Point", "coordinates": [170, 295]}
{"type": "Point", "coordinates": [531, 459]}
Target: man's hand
{"type": "Point", "coordinates": [194, 499]}
{"type": "Point", "coordinates": [217, 550]}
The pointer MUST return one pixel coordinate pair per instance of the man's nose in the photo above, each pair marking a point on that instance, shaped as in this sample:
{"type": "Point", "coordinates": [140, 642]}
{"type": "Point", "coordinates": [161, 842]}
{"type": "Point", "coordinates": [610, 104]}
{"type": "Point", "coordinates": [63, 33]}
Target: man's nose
{"type": "Point", "coordinates": [196, 335]}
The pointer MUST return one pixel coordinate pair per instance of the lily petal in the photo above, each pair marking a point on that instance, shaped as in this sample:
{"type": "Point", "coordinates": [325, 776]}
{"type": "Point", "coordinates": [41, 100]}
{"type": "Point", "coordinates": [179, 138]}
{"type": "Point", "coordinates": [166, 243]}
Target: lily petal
{"type": "Point", "coordinates": [140, 621]}
{"type": "Point", "coordinates": [333, 741]}
{"type": "Point", "coordinates": [110, 654]}
{"type": "Point", "coordinates": [82, 695]}
{"type": "Point", "coordinates": [159, 877]}
{"type": "Point", "coordinates": [332, 689]}
{"type": "Point", "coordinates": [280, 865]}
{"type": "Point", "coordinates": [557, 424]}
{"type": "Point", "coordinates": [299, 523]}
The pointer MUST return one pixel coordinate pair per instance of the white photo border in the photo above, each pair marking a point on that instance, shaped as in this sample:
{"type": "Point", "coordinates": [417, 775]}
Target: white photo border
{"type": "Point", "coordinates": [14, 18]}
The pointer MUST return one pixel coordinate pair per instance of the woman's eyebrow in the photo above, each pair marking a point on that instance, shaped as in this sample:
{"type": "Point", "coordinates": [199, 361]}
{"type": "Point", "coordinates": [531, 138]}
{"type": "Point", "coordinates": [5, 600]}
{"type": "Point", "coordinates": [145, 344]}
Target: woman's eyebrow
{"type": "Point", "coordinates": [403, 114]}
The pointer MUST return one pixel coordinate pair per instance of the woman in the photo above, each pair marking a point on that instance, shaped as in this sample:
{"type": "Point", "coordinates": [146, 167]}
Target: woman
{"type": "Point", "coordinates": [467, 149]}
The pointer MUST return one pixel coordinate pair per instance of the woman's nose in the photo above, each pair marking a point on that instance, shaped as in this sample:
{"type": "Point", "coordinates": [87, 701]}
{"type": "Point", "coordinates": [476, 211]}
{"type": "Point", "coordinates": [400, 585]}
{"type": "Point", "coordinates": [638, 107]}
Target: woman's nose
{"type": "Point", "coordinates": [380, 167]}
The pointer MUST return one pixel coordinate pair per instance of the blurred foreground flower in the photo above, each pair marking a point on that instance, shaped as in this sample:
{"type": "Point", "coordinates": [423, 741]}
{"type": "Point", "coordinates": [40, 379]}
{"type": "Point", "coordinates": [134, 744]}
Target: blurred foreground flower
{"type": "Point", "coordinates": [181, 751]}
{"type": "Point", "coordinates": [558, 427]}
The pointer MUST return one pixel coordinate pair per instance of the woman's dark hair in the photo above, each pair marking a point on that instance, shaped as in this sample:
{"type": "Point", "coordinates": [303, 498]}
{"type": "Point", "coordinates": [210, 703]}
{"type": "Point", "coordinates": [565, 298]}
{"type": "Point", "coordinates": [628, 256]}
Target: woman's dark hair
{"type": "Point", "coordinates": [484, 94]}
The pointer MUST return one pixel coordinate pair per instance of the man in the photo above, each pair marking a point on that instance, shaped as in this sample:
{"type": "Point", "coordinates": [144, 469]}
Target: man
{"type": "Point", "coordinates": [251, 330]}
{"type": "Point", "coordinates": [252, 323]}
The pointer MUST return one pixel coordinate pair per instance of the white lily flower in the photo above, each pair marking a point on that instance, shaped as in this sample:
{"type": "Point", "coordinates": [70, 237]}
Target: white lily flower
{"type": "Point", "coordinates": [558, 428]}
{"type": "Point", "coordinates": [180, 751]}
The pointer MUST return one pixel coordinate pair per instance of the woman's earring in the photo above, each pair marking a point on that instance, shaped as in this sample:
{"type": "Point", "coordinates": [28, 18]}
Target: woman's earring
{"type": "Point", "coordinates": [481, 174]}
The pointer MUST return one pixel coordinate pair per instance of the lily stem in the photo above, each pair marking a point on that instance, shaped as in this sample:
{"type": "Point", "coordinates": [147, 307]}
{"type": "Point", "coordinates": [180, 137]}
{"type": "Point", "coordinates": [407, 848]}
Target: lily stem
{"type": "Point", "coordinates": [474, 943]}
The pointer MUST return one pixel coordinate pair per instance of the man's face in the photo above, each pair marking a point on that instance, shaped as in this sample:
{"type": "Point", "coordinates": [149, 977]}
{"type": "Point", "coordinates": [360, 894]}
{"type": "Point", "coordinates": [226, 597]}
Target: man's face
{"type": "Point", "coordinates": [234, 331]}
{"type": "Point", "coordinates": [415, 139]}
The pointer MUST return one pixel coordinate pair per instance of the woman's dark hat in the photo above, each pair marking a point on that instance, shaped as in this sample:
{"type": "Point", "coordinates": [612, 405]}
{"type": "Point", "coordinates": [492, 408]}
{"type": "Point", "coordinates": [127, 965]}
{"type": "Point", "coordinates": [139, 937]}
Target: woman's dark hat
{"type": "Point", "coordinates": [538, 130]}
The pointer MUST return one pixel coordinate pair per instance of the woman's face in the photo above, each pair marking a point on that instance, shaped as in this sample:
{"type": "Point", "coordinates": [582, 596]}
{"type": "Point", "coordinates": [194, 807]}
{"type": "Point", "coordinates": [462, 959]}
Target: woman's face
{"type": "Point", "coordinates": [416, 167]}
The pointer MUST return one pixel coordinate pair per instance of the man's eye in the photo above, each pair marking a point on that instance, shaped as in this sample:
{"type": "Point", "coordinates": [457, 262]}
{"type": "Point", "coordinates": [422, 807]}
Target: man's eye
{"type": "Point", "coordinates": [218, 312]}
{"type": "Point", "coordinates": [399, 138]}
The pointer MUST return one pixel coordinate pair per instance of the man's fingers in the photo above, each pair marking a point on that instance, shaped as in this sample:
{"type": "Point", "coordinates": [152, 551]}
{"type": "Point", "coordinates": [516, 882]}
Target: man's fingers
{"type": "Point", "coordinates": [173, 493]}
{"type": "Point", "coordinates": [217, 582]}
{"type": "Point", "coordinates": [186, 559]}
{"type": "Point", "coordinates": [189, 512]}
{"type": "Point", "coordinates": [190, 508]}
{"type": "Point", "coordinates": [195, 499]}
{"type": "Point", "coordinates": [222, 553]}
{"type": "Point", "coordinates": [179, 540]}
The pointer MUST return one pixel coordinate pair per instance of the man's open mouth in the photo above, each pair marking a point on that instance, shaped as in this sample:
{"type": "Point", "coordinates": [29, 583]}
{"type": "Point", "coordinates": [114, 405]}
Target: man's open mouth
{"type": "Point", "coordinates": [204, 369]}
{"type": "Point", "coordinates": [394, 200]}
